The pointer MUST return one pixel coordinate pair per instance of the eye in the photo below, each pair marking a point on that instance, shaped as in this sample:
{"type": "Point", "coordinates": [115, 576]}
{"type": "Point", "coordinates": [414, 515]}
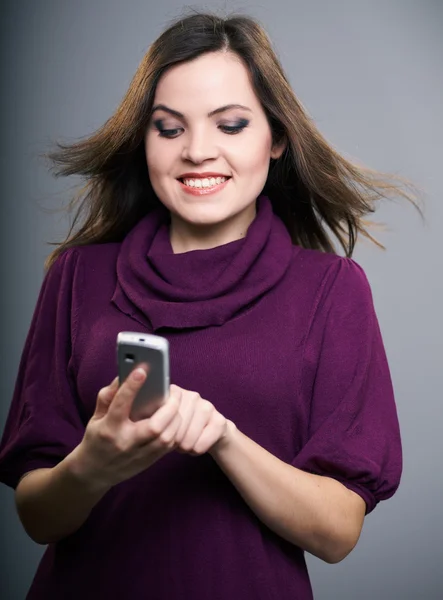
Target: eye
{"type": "Point", "coordinates": [233, 129]}
{"type": "Point", "coordinates": [173, 133]}
{"type": "Point", "coordinates": [166, 133]}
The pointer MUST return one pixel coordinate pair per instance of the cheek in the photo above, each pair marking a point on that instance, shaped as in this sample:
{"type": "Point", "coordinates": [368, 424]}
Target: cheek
{"type": "Point", "coordinates": [158, 157]}
{"type": "Point", "coordinates": [254, 153]}
{"type": "Point", "coordinates": [254, 159]}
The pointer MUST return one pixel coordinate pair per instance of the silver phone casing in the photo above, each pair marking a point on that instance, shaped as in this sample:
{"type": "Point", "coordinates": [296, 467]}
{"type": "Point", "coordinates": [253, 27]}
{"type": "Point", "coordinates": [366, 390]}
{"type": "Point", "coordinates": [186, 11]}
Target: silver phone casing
{"type": "Point", "coordinates": [134, 349]}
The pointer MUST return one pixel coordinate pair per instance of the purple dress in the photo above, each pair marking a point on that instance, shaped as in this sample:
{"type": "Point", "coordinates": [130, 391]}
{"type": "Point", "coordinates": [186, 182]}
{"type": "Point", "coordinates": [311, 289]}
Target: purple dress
{"type": "Point", "coordinates": [284, 341]}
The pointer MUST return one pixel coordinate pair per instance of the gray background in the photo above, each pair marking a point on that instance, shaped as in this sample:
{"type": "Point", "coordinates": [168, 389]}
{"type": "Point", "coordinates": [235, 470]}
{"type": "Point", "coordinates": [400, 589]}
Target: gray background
{"type": "Point", "coordinates": [370, 72]}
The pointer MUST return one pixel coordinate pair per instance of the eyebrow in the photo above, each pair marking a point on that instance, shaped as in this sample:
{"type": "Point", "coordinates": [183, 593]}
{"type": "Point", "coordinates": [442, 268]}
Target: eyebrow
{"type": "Point", "coordinates": [179, 115]}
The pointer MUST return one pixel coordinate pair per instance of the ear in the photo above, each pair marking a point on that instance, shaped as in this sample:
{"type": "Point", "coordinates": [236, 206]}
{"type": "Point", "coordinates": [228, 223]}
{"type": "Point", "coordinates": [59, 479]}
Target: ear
{"type": "Point", "coordinates": [278, 148]}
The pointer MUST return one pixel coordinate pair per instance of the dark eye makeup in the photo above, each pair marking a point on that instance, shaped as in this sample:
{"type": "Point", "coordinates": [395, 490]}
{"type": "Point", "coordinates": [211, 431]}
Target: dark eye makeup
{"type": "Point", "coordinates": [228, 129]}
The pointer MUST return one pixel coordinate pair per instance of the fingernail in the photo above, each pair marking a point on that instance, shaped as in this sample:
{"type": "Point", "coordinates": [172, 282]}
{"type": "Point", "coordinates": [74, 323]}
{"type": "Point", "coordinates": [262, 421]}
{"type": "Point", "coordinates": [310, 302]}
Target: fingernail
{"type": "Point", "coordinates": [138, 374]}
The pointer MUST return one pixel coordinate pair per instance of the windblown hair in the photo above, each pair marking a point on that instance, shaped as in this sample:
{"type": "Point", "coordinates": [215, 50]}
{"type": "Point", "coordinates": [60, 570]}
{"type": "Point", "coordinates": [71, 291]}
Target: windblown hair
{"type": "Point", "coordinates": [321, 197]}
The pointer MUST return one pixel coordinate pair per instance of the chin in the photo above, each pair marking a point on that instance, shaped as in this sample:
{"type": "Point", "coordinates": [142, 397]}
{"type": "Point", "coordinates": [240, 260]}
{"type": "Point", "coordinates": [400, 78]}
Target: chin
{"type": "Point", "coordinates": [204, 216]}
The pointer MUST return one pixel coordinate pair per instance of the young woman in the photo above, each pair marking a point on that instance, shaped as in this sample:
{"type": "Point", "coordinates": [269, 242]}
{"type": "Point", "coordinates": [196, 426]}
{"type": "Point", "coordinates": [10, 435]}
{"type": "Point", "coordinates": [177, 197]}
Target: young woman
{"type": "Point", "coordinates": [211, 215]}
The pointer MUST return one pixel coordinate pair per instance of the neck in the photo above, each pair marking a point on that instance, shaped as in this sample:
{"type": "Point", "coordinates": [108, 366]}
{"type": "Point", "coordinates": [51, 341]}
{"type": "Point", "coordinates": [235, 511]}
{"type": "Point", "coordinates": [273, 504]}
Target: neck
{"type": "Point", "coordinates": [185, 236]}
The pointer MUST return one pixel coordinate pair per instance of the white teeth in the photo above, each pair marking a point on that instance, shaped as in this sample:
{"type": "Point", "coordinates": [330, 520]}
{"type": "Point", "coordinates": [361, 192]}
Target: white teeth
{"type": "Point", "coordinates": [205, 183]}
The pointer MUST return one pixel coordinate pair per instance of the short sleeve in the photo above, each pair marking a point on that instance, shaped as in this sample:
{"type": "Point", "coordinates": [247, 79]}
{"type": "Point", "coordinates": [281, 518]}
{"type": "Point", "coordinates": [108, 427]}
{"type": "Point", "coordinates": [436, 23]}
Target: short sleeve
{"type": "Point", "coordinates": [354, 432]}
{"type": "Point", "coordinates": [44, 424]}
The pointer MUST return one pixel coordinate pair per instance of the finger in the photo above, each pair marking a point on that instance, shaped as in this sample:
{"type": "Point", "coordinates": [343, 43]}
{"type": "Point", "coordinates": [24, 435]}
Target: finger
{"type": "Point", "coordinates": [149, 429]}
{"type": "Point", "coordinates": [211, 434]}
{"type": "Point", "coordinates": [114, 383]}
{"type": "Point", "coordinates": [176, 391]}
{"type": "Point", "coordinates": [166, 440]}
{"type": "Point", "coordinates": [104, 398]}
{"type": "Point", "coordinates": [187, 408]}
{"type": "Point", "coordinates": [199, 421]}
{"type": "Point", "coordinates": [121, 404]}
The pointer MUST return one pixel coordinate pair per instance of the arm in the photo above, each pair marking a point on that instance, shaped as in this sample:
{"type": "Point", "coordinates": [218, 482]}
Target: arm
{"type": "Point", "coordinates": [353, 430]}
{"type": "Point", "coordinates": [67, 468]}
{"type": "Point", "coordinates": [53, 503]}
{"type": "Point", "coordinates": [317, 513]}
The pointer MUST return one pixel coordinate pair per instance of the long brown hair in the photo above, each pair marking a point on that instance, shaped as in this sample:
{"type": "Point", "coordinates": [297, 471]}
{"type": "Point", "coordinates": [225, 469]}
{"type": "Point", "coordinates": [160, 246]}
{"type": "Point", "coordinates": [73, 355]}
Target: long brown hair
{"type": "Point", "coordinates": [321, 197]}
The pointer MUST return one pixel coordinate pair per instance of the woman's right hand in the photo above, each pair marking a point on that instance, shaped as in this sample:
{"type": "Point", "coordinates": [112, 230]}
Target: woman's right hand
{"type": "Point", "coordinates": [115, 448]}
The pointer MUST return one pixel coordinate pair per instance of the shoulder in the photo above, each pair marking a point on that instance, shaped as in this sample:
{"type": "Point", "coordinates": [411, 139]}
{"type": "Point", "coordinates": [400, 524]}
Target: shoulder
{"type": "Point", "coordinates": [93, 258]}
{"type": "Point", "coordinates": [326, 266]}
{"type": "Point", "coordinates": [331, 278]}
{"type": "Point", "coordinates": [91, 252]}
{"type": "Point", "coordinates": [81, 271]}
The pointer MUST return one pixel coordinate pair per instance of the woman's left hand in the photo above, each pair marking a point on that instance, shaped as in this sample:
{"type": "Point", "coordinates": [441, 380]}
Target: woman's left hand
{"type": "Point", "coordinates": [202, 426]}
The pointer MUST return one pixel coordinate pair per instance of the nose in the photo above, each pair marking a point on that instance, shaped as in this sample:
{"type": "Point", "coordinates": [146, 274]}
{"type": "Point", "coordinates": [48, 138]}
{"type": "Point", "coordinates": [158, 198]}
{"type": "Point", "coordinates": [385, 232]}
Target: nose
{"type": "Point", "coordinates": [199, 147]}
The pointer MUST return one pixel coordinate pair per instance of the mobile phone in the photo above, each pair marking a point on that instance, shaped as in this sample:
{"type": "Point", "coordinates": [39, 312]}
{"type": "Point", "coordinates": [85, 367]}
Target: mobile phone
{"type": "Point", "coordinates": [134, 349]}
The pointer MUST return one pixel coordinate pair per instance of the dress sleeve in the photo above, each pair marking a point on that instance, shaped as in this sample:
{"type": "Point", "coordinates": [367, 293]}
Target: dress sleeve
{"type": "Point", "coordinates": [353, 434]}
{"type": "Point", "coordinates": [44, 423]}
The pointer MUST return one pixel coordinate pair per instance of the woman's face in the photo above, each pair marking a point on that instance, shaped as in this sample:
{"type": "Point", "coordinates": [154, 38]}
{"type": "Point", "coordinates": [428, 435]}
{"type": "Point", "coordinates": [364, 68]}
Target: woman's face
{"type": "Point", "coordinates": [208, 147]}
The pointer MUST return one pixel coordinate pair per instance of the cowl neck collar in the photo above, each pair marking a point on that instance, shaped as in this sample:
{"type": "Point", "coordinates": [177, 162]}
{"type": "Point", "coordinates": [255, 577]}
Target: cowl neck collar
{"type": "Point", "coordinates": [198, 288]}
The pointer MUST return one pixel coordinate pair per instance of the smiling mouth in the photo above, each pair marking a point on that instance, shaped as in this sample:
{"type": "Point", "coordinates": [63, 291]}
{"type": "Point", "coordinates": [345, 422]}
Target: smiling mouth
{"type": "Point", "coordinates": [203, 183]}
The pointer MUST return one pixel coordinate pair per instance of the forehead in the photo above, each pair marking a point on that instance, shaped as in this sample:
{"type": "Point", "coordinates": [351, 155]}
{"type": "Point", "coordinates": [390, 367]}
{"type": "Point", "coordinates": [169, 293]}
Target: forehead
{"type": "Point", "coordinates": [216, 78]}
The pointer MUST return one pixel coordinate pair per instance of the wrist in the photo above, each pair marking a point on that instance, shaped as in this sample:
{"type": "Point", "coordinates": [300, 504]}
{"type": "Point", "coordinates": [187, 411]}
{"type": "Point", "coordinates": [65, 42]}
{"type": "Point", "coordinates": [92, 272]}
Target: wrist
{"type": "Point", "coordinates": [226, 440]}
{"type": "Point", "coordinates": [75, 467]}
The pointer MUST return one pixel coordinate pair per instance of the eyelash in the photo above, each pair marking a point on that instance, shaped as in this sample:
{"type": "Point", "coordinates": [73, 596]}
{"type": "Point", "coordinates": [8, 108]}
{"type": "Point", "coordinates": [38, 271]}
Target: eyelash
{"type": "Point", "coordinates": [228, 129]}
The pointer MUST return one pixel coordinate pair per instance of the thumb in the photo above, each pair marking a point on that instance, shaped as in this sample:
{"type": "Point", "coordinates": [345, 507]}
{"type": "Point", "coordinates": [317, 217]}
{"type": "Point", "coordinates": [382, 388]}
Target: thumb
{"type": "Point", "coordinates": [104, 399]}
